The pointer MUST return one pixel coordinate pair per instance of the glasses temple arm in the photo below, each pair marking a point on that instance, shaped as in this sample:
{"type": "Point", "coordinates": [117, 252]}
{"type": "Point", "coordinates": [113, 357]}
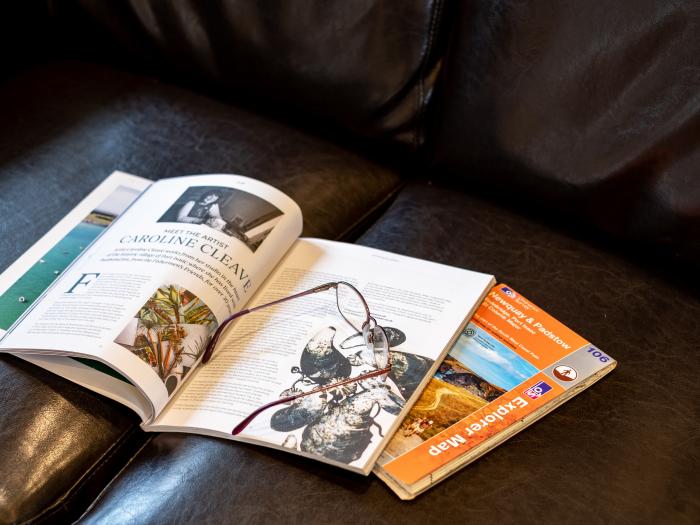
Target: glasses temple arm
{"type": "Point", "coordinates": [215, 338]}
{"type": "Point", "coordinates": [317, 289]}
{"type": "Point", "coordinates": [243, 424]}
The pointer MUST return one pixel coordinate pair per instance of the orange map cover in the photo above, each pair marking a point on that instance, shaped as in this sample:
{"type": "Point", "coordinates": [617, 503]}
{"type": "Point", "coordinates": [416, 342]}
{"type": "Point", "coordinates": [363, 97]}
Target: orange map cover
{"type": "Point", "coordinates": [512, 364]}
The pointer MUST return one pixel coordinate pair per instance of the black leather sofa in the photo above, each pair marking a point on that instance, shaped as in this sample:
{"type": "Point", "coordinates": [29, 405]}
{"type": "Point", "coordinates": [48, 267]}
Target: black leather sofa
{"type": "Point", "coordinates": [555, 144]}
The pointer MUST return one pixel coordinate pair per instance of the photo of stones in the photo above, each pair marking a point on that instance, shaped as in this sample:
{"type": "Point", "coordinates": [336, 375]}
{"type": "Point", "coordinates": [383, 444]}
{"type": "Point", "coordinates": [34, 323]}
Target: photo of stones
{"type": "Point", "coordinates": [342, 423]}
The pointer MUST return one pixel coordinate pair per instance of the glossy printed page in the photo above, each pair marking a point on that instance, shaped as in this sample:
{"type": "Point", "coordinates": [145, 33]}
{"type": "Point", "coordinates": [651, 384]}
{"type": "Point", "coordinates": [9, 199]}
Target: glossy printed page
{"type": "Point", "coordinates": [305, 343]}
{"type": "Point", "coordinates": [148, 294]}
{"type": "Point", "coordinates": [29, 276]}
{"type": "Point", "coordinates": [32, 273]}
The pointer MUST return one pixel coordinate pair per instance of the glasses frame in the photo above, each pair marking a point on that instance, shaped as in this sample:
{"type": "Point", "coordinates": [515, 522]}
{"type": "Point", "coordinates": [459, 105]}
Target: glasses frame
{"type": "Point", "coordinates": [370, 323]}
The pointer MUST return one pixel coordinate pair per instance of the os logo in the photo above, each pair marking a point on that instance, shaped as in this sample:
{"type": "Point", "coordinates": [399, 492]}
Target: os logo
{"type": "Point", "coordinates": [538, 390]}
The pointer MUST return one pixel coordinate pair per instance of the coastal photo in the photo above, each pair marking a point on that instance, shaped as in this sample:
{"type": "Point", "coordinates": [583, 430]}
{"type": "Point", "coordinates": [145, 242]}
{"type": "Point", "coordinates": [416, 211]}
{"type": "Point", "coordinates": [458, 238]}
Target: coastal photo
{"type": "Point", "coordinates": [25, 290]}
{"type": "Point", "coordinates": [478, 370]}
{"type": "Point", "coordinates": [169, 333]}
{"type": "Point", "coordinates": [236, 213]}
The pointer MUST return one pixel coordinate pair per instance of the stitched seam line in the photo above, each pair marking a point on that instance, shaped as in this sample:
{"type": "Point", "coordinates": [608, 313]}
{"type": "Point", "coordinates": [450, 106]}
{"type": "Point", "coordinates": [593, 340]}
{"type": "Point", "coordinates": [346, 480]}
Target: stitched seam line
{"type": "Point", "coordinates": [70, 493]}
{"type": "Point", "coordinates": [435, 17]}
{"type": "Point", "coordinates": [98, 465]}
{"type": "Point", "coordinates": [390, 195]}
{"type": "Point", "coordinates": [118, 474]}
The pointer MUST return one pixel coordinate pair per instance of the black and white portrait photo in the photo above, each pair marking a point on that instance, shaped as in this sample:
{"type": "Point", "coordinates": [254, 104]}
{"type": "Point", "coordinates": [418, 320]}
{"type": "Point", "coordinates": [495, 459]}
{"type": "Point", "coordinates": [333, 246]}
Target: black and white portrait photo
{"type": "Point", "coordinates": [236, 213]}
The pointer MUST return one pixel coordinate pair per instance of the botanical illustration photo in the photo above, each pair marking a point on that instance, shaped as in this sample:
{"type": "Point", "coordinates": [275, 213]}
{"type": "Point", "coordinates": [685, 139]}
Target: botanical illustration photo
{"type": "Point", "coordinates": [236, 213]}
{"type": "Point", "coordinates": [169, 333]}
{"type": "Point", "coordinates": [341, 423]}
{"type": "Point", "coordinates": [478, 370]}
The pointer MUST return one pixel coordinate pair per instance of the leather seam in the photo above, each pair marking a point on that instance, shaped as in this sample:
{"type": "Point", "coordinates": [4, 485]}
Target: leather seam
{"type": "Point", "coordinates": [435, 16]}
{"type": "Point", "coordinates": [94, 502]}
{"type": "Point", "coordinates": [71, 493]}
{"type": "Point", "coordinates": [390, 195]}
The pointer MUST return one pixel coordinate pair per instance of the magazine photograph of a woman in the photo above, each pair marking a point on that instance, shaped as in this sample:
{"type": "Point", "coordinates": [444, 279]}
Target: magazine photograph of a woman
{"type": "Point", "coordinates": [236, 213]}
{"type": "Point", "coordinates": [204, 210]}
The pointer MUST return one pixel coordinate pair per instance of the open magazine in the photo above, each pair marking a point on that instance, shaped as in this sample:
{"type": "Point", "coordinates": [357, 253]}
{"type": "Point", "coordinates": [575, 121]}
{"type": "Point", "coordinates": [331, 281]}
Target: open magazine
{"type": "Point", "coordinates": [128, 311]}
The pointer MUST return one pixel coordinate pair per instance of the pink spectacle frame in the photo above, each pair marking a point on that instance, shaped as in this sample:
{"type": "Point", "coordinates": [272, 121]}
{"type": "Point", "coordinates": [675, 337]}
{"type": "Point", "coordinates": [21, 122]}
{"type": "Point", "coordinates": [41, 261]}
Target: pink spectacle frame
{"type": "Point", "coordinates": [353, 308]}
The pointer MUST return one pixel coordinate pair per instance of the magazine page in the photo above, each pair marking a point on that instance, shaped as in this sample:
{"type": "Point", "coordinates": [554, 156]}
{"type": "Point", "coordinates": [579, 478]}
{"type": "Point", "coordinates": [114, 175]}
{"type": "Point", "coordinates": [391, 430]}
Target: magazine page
{"type": "Point", "coordinates": [32, 273]}
{"type": "Point", "coordinates": [511, 365]}
{"type": "Point", "coordinates": [150, 291]}
{"type": "Point", "coordinates": [305, 343]}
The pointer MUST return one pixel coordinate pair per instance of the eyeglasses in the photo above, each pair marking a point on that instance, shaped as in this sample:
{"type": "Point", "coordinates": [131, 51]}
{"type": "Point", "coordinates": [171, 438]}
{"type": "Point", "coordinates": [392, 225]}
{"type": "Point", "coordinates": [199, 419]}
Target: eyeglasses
{"type": "Point", "coordinates": [354, 310]}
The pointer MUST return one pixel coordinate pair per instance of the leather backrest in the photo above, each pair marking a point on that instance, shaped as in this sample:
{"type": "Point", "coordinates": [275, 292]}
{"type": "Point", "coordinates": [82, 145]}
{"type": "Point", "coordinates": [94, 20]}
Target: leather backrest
{"type": "Point", "coordinates": [23, 29]}
{"type": "Point", "coordinates": [367, 65]}
{"type": "Point", "coordinates": [590, 108]}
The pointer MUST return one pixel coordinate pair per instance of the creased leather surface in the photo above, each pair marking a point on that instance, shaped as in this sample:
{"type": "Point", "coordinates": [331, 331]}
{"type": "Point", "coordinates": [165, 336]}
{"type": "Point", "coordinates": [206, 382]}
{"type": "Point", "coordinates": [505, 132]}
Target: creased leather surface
{"type": "Point", "coordinates": [64, 128]}
{"type": "Point", "coordinates": [55, 434]}
{"type": "Point", "coordinates": [69, 125]}
{"type": "Point", "coordinates": [625, 451]}
{"type": "Point", "coordinates": [593, 109]}
{"type": "Point", "coordinates": [368, 65]}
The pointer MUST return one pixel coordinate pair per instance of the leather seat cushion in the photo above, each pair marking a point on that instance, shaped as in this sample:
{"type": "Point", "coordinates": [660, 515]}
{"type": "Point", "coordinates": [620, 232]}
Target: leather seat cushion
{"type": "Point", "coordinates": [619, 451]}
{"type": "Point", "coordinates": [591, 111]}
{"type": "Point", "coordinates": [369, 66]}
{"type": "Point", "coordinates": [66, 126]}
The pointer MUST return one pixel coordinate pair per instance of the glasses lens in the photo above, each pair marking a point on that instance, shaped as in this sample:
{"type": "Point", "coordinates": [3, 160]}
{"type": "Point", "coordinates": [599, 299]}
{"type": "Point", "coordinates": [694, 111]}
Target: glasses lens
{"type": "Point", "coordinates": [378, 344]}
{"type": "Point", "coordinates": [352, 307]}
